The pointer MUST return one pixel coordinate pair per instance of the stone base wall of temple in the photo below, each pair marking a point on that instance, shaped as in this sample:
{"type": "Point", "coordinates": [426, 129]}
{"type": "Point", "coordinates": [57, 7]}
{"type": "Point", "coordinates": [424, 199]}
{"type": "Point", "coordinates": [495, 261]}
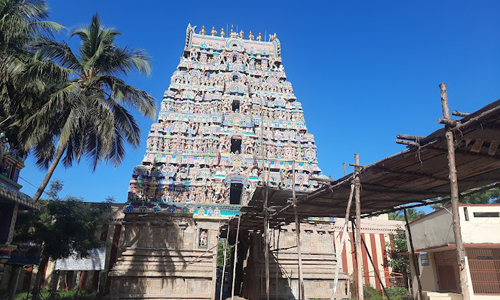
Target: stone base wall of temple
{"type": "Point", "coordinates": [318, 264]}
{"type": "Point", "coordinates": [166, 257]}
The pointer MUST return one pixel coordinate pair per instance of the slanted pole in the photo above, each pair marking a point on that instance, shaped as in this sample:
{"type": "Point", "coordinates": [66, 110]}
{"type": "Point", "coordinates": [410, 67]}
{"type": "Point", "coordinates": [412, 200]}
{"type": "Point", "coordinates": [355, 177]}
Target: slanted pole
{"type": "Point", "coordinates": [266, 238]}
{"type": "Point", "coordinates": [454, 194]}
{"type": "Point", "coordinates": [353, 230]}
{"type": "Point", "coordinates": [342, 241]}
{"type": "Point", "coordinates": [357, 196]}
{"type": "Point", "coordinates": [235, 254]}
{"type": "Point", "coordinates": [297, 237]}
{"type": "Point", "coordinates": [415, 263]}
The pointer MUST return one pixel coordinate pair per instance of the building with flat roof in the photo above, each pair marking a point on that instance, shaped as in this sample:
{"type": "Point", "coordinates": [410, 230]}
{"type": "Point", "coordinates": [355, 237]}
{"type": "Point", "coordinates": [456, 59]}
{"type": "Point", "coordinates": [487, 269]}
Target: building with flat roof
{"type": "Point", "coordinates": [435, 246]}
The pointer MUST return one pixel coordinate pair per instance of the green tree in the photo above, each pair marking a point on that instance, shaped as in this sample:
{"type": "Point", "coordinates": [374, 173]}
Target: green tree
{"type": "Point", "coordinates": [486, 194]}
{"type": "Point", "coordinates": [89, 108]}
{"type": "Point", "coordinates": [23, 77]}
{"type": "Point", "coordinates": [398, 243]}
{"type": "Point", "coordinates": [412, 214]}
{"type": "Point", "coordinates": [62, 227]}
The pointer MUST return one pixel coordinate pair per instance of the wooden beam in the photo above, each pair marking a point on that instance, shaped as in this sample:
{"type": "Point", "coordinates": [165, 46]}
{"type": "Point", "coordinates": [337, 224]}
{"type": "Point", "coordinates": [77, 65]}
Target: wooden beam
{"type": "Point", "coordinates": [357, 196]}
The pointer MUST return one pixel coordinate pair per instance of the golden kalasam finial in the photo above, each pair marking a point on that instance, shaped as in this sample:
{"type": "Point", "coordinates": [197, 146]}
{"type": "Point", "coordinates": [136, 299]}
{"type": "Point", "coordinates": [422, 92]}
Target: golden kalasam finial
{"type": "Point", "coordinates": [202, 31]}
{"type": "Point", "coordinates": [222, 33]}
{"type": "Point", "coordinates": [213, 32]}
{"type": "Point", "coordinates": [242, 35]}
{"type": "Point", "coordinates": [250, 36]}
{"type": "Point", "coordinates": [232, 31]}
{"type": "Point", "coordinates": [259, 37]}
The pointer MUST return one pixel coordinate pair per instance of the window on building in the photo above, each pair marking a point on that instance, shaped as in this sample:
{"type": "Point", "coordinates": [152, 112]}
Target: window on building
{"type": "Point", "coordinates": [484, 271]}
{"type": "Point", "coordinates": [487, 214]}
{"type": "Point", "coordinates": [235, 193]}
{"type": "Point", "coordinates": [236, 145]}
{"type": "Point", "coordinates": [236, 106]}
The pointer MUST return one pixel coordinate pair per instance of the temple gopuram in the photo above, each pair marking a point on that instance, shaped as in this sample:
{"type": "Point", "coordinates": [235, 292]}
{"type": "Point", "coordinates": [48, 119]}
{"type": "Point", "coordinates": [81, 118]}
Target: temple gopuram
{"type": "Point", "coordinates": [229, 122]}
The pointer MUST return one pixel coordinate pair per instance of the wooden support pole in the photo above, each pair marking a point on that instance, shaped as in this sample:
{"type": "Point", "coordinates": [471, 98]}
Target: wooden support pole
{"type": "Point", "coordinates": [355, 263]}
{"type": "Point", "coordinates": [235, 262]}
{"type": "Point", "coordinates": [415, 263]}
{"type": "Point", "coordinates": [454, 195]}
{"type": "Point", "coordinates": [342, 241]}
{"type": "Point", "coordinates": [223, 265]}
{"type": "Point", "coordinates": [297, 238]}
{"type": "Point", "coordinates": [266, 240]}
{"type": "Point", "coordinates": [357, 196]}
{"type": "Point", "coordinates": [277, 263]}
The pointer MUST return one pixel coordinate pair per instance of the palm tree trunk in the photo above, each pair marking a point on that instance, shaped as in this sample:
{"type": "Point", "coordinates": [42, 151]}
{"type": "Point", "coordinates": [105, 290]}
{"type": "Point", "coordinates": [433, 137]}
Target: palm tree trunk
{"type": "Point", "coordinates": [50, 172]}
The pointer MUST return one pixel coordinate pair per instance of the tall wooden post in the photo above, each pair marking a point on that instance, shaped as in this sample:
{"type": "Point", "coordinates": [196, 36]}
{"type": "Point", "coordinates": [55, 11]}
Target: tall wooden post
{"type": "Point", "coordinates": [224, 263]}
{"type": "Point", "coordinates": [266, 240]}
{"type": "Point", "coordinates": [454, 194]}
{"type": "Point", "coordinates": [357, 196]}
{"type": "Point", "coordinates": [277, 264]}
{"type": "Point", "coordinates": [235, 254]}
{"type": "Point", "coordinates": [342, 241]}
{"type": "Point", "coordinates": [297, 238]}
{"type": "Point", "coordinates": [415, 263]}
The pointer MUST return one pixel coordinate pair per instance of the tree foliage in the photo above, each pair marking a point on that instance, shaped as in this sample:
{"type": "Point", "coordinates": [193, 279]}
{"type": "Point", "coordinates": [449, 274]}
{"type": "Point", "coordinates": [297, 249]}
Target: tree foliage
{"type": "Point", "coordinates": [60, 103]}
{"type": "Point", "coordinates": [484, 196]}
{"type": "Point", "coordinates": [412, 214]}
{"type": "Point", "coordinates": [398, 244]}
{"type": "Point", "coordinates": [62, 226]}
{"type": "Point", "coordinates": [22, 23]}
{"type": "Point", "coordinates": [91, 104]}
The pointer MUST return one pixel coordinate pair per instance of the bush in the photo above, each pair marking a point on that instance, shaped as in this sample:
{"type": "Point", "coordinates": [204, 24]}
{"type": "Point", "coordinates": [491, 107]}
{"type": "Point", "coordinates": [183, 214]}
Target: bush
{"type": "Point", "coordinates": [395, 293]}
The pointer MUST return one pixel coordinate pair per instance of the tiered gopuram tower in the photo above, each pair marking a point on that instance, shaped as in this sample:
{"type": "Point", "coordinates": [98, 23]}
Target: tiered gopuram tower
{"type": "Point", "coordinates": [228, 123]}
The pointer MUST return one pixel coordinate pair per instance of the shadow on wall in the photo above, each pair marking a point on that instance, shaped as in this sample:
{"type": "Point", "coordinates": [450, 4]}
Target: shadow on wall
{"type": "Point", "coordinates": [153, 258]}
{"type": "Point", "coordinates": [254, 277]}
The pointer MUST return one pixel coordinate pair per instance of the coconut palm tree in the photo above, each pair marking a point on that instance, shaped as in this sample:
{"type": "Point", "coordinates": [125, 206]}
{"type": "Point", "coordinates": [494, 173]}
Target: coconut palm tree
{"type": "Point", "coordinates": [89, 108]}
{"type": "Point", "coordinates": [21, 23]}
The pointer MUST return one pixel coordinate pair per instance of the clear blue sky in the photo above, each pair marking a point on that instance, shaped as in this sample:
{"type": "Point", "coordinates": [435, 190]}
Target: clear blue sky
{"type": "Point", "coordinates": [364, 71]}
